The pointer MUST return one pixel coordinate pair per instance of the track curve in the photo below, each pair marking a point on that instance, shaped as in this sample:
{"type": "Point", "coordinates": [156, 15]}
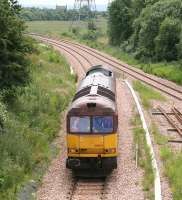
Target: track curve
{"type": "Point", "coordinates": [83, 52]}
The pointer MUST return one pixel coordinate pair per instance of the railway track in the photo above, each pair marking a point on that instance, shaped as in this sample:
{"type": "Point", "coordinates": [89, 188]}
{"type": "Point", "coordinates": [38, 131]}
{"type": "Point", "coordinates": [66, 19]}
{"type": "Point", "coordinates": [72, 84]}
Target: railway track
{"type": "Point", "coordinates": [74, 54]}
{"type": "Point", "coordinates": [175, 121]}
{"type": "Point", "coordinates": [87, 189]}
{"type": "Point", "coordinates": [82, 52]}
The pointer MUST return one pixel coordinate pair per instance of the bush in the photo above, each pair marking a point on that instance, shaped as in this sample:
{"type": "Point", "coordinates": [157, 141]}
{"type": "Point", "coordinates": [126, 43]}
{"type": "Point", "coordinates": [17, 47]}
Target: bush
{"type": "Point", "coordinates": [92, 26]}
{"type": "Point", "coordinates": [90, 35]}
{"type": "Point", "coordinates": [75, 30]}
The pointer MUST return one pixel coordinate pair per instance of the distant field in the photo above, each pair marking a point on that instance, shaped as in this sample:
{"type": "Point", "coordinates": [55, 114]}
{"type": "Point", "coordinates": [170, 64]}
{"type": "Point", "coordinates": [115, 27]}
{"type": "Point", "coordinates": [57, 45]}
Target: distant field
{"type": "Point", "coordinates": [59, 27]}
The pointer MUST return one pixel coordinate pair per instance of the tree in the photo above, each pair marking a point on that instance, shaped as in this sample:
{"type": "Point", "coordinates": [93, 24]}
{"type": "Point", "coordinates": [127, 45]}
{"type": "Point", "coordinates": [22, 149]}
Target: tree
{"type": "Point", "coordinates": [120, 21]}
{"type": "Point", "coordinates": [13, 47]}
{"type": "Point", "coordinates": [147, 27]}
{"type": "Point", "coordinates": [168, 39]}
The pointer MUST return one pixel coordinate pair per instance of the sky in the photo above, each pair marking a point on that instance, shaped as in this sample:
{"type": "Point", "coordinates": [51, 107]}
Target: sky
{"type": "Point", "coordinates": [101, 4]}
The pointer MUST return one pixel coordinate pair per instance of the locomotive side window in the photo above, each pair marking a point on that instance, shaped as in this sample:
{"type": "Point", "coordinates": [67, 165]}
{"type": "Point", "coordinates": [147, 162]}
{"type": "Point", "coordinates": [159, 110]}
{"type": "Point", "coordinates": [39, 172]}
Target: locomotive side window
{"type": "Point", "coordinates": [102, 124]}
{"type": "Point", "coordinates": [80, 124]}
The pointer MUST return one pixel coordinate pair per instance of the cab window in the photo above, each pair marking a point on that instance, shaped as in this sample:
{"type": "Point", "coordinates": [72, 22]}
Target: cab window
{"type": "Point", "coordinates": [102, 124]}
{"type": "Point", "coordinates": [80, 124]}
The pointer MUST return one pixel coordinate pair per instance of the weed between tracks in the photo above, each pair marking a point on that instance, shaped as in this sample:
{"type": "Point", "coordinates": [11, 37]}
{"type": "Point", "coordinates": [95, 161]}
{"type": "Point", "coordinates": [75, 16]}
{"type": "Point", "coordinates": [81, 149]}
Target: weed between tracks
{"type": "Point", "coordinates": [33, 121]}
{"type": "Point", "coordinates": [144, 158]}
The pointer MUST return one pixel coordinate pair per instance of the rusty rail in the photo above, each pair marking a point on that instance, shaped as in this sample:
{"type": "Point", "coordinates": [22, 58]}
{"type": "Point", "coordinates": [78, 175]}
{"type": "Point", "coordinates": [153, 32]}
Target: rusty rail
{"type": "Point", "coordinates": [170, 120]}
{"type": "Point", "coordinates": [177, 114]}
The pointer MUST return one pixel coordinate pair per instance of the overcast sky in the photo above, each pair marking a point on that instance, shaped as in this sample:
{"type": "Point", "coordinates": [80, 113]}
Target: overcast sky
{"type": "Point", "coordinates": [50, 3]}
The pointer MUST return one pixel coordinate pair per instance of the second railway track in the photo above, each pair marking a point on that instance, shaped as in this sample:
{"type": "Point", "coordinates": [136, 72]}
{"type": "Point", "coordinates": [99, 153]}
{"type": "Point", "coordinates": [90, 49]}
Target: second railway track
{"type": "Point", "coordinates": [74, 48]}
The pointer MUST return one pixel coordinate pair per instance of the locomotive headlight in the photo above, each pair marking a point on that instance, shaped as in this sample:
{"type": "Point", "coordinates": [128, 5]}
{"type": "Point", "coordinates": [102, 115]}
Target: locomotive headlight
{"type": "Point", "coordinates": [73, 150]}
{"type": "Point", "coordinates": [111, 150]}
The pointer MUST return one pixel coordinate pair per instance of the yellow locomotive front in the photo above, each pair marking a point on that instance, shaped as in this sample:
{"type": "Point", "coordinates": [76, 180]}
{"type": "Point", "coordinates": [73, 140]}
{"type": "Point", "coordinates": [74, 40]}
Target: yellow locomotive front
{"type": "Point", "coordinates": [92, 124]}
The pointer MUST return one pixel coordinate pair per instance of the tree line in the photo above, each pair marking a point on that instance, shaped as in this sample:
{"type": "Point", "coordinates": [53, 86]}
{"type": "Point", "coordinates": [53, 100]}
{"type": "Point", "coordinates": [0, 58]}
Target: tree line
{"type": "Point", "coordinates": [150, 29]}
{"type": "Point", "coordinates": [38, 14]}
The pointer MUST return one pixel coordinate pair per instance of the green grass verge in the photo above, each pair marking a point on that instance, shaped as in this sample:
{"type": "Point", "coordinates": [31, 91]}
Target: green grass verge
{"type": "Point", "coordinates": [172, 163]}
{"type": "Point", "coordinates": [58, 28]}
{"type": "Point", "coordinates": [33, 121]}
{"type": "Point", "coordinates": [99, 40]}
{"type": "Point", "coordinates": [147, 94]}
{"type": "Point", "coordinates": [159, 138]}
{"type": "Point", "coordinates": [144, 158]}
{"type": "Point", "coordinates": [173, 168]}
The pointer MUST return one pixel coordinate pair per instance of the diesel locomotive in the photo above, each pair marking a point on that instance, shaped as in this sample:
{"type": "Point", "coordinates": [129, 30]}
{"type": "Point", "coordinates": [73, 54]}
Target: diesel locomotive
{"type": "Point", "coordinates": [92, 123]}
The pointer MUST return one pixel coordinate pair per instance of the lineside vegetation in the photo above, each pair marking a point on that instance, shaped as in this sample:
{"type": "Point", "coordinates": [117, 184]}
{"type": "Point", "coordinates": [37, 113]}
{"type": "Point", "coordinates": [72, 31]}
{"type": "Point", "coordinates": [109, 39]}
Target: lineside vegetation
{"type": "Point", "coordinates": [172, 161]}
{"type": "Point", "coordinates": [32, 120]}
{"type": "Point", "coordinates": [35, 88]}
{"type": "Point", "coordinates": [147, 94]}
{"type": "Point", "coordinates": [144, 158]}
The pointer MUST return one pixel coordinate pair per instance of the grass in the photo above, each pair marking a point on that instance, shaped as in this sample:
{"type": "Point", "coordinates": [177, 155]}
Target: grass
{"type": "Point", "coordinates": [58, 28]}
{"type": "Point", "coordinates": [144, 158]}
{"type": "Point", "coordinates": [147, 94]}
{"type": "Point", "coordinates": [172, 162]}
{"type": "Point", "coordinates": [32, 121]}
{"type": "Point", "coordinates": [159, 138]}
{"type": "Point", "coordinates": [173, 168]}
{"type": "Point", "coordinates": [171, 71]}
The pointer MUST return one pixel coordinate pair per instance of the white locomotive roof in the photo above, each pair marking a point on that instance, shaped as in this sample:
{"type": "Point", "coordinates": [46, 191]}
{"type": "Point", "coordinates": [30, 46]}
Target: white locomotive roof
{"type": "Point", "coordinates": [97, 88]}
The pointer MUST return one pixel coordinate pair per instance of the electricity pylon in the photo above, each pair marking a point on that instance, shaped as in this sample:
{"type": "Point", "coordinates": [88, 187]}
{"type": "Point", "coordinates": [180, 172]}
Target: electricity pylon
{"type": "Point", "coordinates": [90, 6]}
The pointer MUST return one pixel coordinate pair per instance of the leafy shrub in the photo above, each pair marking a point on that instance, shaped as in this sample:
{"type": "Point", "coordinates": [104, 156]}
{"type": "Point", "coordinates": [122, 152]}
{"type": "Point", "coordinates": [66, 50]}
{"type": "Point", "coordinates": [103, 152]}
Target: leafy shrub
{"type": "Point", "coordinates": [92, 26]}
{"type": "Point", "coordinates": [90, 35]}
{"type": "Point", "coordinates": [75, 30]}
